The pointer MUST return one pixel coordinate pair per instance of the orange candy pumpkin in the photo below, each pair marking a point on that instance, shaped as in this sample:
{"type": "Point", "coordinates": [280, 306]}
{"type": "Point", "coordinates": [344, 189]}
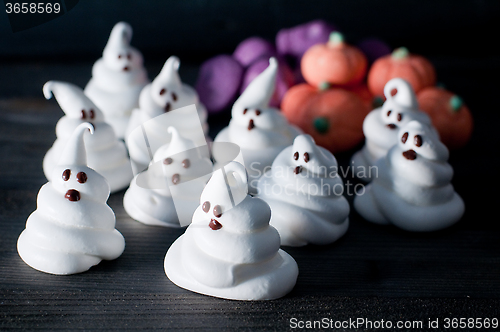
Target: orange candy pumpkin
{"type": "Point", "coordinates": [333, 117]}
{"type": "Point", "coordinates": [415, 69]}
{"type": "Point", "coordinates": [335, 63]}
{"type": "Point", "coordinates": [449, 115]}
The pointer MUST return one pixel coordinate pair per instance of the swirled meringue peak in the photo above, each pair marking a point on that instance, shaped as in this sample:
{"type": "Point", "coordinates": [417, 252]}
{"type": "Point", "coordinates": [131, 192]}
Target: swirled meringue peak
{"type": "Point", "coordinates": [230, 250]}
{"type": "Point", "coordinates": [117, 79]}
{"type": "Point", "coordinates": [381, 125]}
{"type": "Point", "coordinates": [105, 153]}
{"type": "Point", "coordinates": [72, 228]}
{"type": "Point", "coordinates": [413, 189]}
{"type": "Point", "coordinates": [164, 95]}
{"type": "Point", "coordinates": [167, 193]}
{"type": "Point", "coordinates": [304, 191]}
{"type": "Point", "coordinates": [260, 130]}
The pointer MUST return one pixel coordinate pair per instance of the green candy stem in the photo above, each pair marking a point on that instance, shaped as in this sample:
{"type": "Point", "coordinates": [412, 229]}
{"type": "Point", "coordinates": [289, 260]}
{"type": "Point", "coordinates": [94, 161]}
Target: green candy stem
{"type": "Point", "coordinates": [400, 53]}
{"type": "Point", "coordinates": [324, 86]}
{"type": "Point", "coordinates": [335, 38]}
{"type": "Point", "coordinates": [455, 103]}
{"type": "Point", "coordinates": [321, 125]}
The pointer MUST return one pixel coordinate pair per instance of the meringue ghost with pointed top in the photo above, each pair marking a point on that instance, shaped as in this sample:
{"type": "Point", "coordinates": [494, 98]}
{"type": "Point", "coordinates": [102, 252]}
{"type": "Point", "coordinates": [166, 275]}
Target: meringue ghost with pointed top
{"type": "Point", "coordinates": [381, 126]}
{"type": "Point", "coordinates": [105, 153]}
{"type": "Point", "coordinates": [230, 250]}
{"type": "Point", "coordinates": [164, 94]}
{"type": "Point", "coordinates": [304, 192]}
{"type": "Point", "coordinates": [72, 228]}
{"type": "Point", "coordinates": [117, 79]}
{"type": "Point", "coordinates": [260, 130]}
{"type": "Point", "coordinates": [413, 190]}
{"type": "Point", "coordinates": [149, 197]}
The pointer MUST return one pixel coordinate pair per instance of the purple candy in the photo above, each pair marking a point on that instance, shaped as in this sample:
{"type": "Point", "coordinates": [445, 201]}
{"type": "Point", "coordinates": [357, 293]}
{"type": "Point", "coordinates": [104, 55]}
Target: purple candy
{"type": "Point", "coordinates": [374, 48]}
{"type": "Point", "coordinates": [295, 41]}
{"type": "Point", "coordinates": [253, 48]}
{"type": "Point", "coordinates": [284, 78]}
{"type": "Point", "coordinates": [218, 82]}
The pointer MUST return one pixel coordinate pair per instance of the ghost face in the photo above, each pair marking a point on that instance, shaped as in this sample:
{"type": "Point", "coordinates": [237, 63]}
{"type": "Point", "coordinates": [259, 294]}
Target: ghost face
{"type": "Point", "coordinates": [394, 117]}
{"type": "Point", "coordinates": [257, 118]}
{"type": "Point", "coordinates": [123, 59]}
{"type": "Point", "coordinates": [175, 167]}
{"type": "Point", "coordinates": [78, 182]}
{"type": "Point", "coordinates": [417, 140]}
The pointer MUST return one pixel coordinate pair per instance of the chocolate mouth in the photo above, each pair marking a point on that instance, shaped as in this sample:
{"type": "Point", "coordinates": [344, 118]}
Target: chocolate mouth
{"type": "Point", "coordinates": [167, 107]}
{"type": "Point", "coordinates": [72, 195]}
{"type": "Point", "coordinates": [410, 155]}
{"type": "Point", "coordinates": [214, 225]}
{"type": "Point", "coordinates": [297, 169]}
{"type": "Point", "coordinates": [176, 178]}
{"type": "Point", "coordinates": [126, 68]}
{"type": "Point", "coordinates": [392, 126]}
{"type": "Point", "coordinates": [251, 125]}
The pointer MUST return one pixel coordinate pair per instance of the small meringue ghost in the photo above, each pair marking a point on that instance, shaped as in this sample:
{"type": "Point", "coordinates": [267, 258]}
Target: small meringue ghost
{"type": "Point", "coordinates": [72, 228]}
{"type": "Point", "coordinates": [117, 79]}
{"type": "Point", "coordinates": [105, 153]}
{"type": "Point", "coordinates": [413, 189]}
{"type": "Point", "coordinates": [259, 130]}
{"type": "Point", "coordinates": [381, 126]}
{"type": "Point", "coordinates": [230, 250]}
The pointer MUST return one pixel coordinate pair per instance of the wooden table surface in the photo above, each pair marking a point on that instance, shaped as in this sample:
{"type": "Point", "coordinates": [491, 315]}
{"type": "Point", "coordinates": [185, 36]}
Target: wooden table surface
{"type": "Point", "coordinates": [373, 272]}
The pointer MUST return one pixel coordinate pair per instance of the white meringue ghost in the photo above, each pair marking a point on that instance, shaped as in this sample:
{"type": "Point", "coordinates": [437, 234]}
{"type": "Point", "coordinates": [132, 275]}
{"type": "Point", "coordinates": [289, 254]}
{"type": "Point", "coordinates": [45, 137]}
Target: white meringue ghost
{"type": "Point", "coordinates": [381, 126]}
{"type": "Point", "coordinates": [260, 131]}
{"type": "Point", "coordinates": [117, 79]}
{"type": "Point", "coordinates": [304, 192]}
{"type": "Point", "coordinates": [105, 153]}
{"type": "Point", "coordinates": [230, 250]}
{"type": "Point", "coordinates": [149, 197]}
{"type": "Point", "coordinates": [164, 94]}
{"type": "Point", "coordinates": [73, 228]}
{"type": "Point", "coordinates": [413, 189]}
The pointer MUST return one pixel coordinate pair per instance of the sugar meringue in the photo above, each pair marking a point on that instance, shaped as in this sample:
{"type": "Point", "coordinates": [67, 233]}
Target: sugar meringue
{"type": "Point", "coordinates": [304, 192]}
{"type": "Point", "coordinates": [381, 126]}
{"type": "Point", "coordinates": [72, 228]}
{"type": "Point", "coordinates": [105, 153]}
{"type": "Point", "coordinates": [149, 197]}
{"type": "Point", "coordinates": [164, 94]}
{"type": "Point", "coordinates": [230, 250]}
{"type": "Point", "coordinates": [413, 189]}
{"type": "Point", "coordinates": [260, 131]}
{"type": "Point", "coordinates": [117, 79]}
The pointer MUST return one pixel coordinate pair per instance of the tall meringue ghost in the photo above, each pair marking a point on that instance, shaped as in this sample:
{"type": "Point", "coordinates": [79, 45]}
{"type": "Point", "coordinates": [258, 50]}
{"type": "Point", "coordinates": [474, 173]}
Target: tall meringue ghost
{"type": "Point", "coordinates": [260, 131]}
{"type": "Point", "coordinates": [381, 126]}
{"type": "Point", "coordinates": [72, 228]}
{"type": "Point", "coordinates": [149, 197]}
{"type": "Point", "coordinates": [413, 189]}
{"type": "Point", "coordinates": [304, 192]}
{"type": "Point", "coordinates": [105, 153]}
{"type": "Point", "coordinates": [117, 79]}
{"type": "Point", "coordinates": [230, 250]}
{"type": "Point", "coordinates": [164, 94]}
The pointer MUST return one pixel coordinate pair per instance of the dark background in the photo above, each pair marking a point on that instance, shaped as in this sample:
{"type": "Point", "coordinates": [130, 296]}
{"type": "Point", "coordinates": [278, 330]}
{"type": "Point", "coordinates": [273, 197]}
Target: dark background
{"type": "Point", "coordinates": [373, 272]}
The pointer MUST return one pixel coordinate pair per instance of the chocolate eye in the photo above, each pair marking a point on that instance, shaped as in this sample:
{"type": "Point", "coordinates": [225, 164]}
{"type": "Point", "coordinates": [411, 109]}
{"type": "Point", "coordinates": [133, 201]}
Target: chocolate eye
{"type": "Point", "coordinates": [119, 56]}
{"type": "Point", "coordinates": [245, 111]}
{"type": "Point", "coordinates": [83, 116]}
{"type": "Point", "coordinates": [129, 56]}
{"type": "Point", "coordinates": [186, 163]}
{"type": "Point", "coordinates": [217, 211]}
{"type": "Point", "coordinates": [92, 114]}
{"type": "Point", "coordinates": [296, 156]}
{"type": "Point", "coordinates": [174, 96]}
{"type": "Point", "coordinates": [404, 138]}
{"type": "Point", "coordinates": [162, 91]}
{"type": "Point", "coordinates": [168, 161]}
{"type": "Point", "coordinates": [306, 157]}
{"type": "Point", "coordinates": [66, 174]}
{"type": "Point", "coordinates": [257, 112]}
{"type": "Point", "coordinates": [400, 116]}
{"type": "Point", "coordinates": [81, 177]}
{"type": "Point", "coordinates": [417, 140]}
{"type": "Point", "coordinates": [389, 113]}
{"type": "Point", "coordinates": [206, 206]}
